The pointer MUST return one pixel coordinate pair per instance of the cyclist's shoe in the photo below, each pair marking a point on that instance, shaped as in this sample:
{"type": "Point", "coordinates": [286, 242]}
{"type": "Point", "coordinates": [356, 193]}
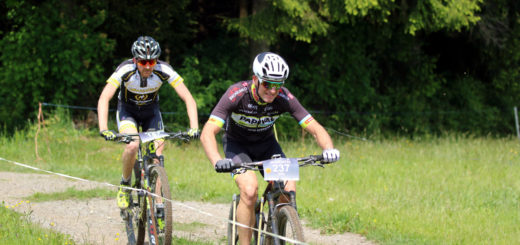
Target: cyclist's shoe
{"type": "Point", "coordinates": [123, 197]}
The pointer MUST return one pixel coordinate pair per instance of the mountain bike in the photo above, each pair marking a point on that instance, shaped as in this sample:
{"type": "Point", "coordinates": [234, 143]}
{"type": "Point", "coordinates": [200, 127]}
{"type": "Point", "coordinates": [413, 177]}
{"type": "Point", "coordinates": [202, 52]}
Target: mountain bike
{"type": "Point", "coordinates": [281, 219]}
{"type": "Point", "coordinates": [149, 208]}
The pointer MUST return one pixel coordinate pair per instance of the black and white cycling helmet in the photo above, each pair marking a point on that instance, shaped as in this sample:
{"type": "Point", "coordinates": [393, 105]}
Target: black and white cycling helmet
{"type": "Point", "coordinates": [270, 66]}
{"type": "Point", "coordinates": [146, 48]}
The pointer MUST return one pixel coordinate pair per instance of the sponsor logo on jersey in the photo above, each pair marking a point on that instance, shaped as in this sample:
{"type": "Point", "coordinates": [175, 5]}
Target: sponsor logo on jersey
{"type": "Point", "coordinates": [141, 97]}
{"type": "Point", "coordinates": [236, 92]}
{"type": "Point", "coordinates": [254, 122]}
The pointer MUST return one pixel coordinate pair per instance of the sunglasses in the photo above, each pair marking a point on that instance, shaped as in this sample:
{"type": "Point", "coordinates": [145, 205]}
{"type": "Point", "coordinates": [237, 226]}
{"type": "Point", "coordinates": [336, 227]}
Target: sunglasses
{"type": "Point", "coordinates": [145, 62]}
{"type": "Point", "coordinates": [270, 84]}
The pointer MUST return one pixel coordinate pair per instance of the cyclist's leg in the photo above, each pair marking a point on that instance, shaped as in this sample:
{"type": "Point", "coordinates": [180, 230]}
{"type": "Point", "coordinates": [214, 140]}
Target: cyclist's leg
{"type": "Point", "coordinates": [152, 121]}
{"type": "Point", "coordinates": [248, 185]}
{"type": "Point", "coordinates": [126, 125]}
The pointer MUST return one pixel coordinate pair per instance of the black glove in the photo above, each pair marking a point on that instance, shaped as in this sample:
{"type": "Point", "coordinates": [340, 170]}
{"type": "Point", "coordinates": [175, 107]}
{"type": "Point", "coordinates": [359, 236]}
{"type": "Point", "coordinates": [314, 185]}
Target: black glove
{"type": "Point", "coordinates": [223, 165]}
{"type": "Point", "coordinates": [108, 134]}
{"type": "Point", "coordinates": [194, 133]}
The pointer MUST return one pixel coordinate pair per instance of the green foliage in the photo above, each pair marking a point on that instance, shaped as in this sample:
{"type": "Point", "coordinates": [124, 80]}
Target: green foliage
{"type": "Point", "coordinates": [294, 18]}
{"type": "Point", "coordinates": [451, 15]}
{"type": "Point", "coordinates": [365, 66]}
{"type": "Point", "coordinates": [207, 77]}
{"type": "Point", "coordinates": [53, 53]}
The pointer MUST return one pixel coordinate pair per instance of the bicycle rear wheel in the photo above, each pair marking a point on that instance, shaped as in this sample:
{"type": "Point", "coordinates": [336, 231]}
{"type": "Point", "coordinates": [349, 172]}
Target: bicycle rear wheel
{"type": "Point", "coordinates": [160, 209]}
{"type": "Point", "coordinates": [289, 224]}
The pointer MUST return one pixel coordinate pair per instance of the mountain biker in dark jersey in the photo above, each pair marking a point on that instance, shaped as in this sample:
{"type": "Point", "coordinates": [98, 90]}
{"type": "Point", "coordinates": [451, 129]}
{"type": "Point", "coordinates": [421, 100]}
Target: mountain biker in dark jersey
{"type": "Point", "coordinates": [139, 80]}
{"type": "Point", "coordinates": [247, 112]}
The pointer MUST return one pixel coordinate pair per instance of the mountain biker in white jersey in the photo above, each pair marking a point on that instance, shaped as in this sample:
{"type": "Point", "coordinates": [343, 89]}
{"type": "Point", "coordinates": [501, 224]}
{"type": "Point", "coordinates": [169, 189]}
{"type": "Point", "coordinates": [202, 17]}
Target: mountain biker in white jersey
{"type": "Point", "coordinates": [247, 112]}
{"type": "Point", "coordinates": [139, 80]}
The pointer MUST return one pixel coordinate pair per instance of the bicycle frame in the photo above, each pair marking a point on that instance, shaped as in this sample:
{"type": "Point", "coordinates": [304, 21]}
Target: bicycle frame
{"type": "Point", "coordinates": [277, 210]}
{"type": "Point", "coordinates": [150, 180]}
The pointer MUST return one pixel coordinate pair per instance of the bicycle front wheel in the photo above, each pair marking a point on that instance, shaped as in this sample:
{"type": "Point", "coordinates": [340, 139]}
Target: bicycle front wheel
{"type": "Point", "coordinates": [289, 224]}
{"type": "Point", "coordinates": [160, 209]}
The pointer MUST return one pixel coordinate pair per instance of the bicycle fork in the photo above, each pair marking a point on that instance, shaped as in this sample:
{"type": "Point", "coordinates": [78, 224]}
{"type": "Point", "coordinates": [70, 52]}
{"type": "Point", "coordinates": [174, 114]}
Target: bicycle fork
{"type": "Point", "coordinates": [272, 211]}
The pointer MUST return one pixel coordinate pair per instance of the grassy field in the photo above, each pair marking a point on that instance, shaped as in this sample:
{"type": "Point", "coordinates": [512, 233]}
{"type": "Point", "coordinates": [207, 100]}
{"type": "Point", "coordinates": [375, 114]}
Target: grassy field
{"type": "Point", "coordinates": [16, 228]}
{"type": "Point", "coordinates": [449, 190]}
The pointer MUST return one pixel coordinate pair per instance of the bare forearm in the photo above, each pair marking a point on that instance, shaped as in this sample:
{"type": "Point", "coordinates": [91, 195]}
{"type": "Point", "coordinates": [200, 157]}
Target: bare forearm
{"type": "Point", "coordinates": [209, 142]}
{"type": "Point", "coordinates": [191, 108]}
{"type": "Point", "coordinates": [102, 114]}
{"type": "Point", "coordinates": [320, 134]}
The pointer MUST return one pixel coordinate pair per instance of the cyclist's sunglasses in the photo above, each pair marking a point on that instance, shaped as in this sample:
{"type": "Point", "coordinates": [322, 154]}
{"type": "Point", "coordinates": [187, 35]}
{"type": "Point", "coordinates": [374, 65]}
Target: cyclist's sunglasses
{"type": "Point", "coordinates": [270, 84]}
{"type": "Point", "coordinates": [145, 62]}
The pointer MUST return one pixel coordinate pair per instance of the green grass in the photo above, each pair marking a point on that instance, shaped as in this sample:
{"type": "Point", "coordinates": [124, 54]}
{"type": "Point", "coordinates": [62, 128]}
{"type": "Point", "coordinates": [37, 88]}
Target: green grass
{"type": "Point", "coordinates": [72, 193]}
{"type": "Point", "coordinates": [16, 228]}
{"type": "Point", "coordinates": [193, 226]}
{"type": "Point", "coordinates": [448, 190]}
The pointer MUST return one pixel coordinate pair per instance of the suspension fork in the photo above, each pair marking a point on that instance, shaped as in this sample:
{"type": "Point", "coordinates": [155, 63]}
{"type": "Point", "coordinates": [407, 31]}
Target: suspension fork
{"type": "Point", "coordinates": [292, 196]}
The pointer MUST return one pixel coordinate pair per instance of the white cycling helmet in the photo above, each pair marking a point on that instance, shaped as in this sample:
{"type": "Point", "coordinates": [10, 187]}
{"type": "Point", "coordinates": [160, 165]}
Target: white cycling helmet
{"type": "Point", "coordinates": [270, 66]}
{"type": "Point", "coordinates": [146, 48]}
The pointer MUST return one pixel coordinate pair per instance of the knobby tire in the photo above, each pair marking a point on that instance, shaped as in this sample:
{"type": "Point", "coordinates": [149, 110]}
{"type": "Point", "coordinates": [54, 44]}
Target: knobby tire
{"type": "Point", "coordinates": [161, 188]}
{"type": "Point", "coordinates": [289, 224]}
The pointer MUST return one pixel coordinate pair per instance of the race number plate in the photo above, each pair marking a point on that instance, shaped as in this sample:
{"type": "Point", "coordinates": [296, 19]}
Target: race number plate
{"type": "Point", "coordinates": [149, 136]}
{"type": "Point", "coordinates": [281, 169]}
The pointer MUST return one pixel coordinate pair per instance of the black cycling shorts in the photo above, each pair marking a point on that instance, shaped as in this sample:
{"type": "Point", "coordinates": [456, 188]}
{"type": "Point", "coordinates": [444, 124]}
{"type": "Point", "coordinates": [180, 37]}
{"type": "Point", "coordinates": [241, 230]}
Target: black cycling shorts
{"type": "Point", "coordinates": [251, 152]}
{"type": "Point", "coordinates": [147, 117]}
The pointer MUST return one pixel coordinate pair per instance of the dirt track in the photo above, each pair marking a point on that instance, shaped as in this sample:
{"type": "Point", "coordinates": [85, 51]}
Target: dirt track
{"type": "Point", "coordinates": [97, 221]}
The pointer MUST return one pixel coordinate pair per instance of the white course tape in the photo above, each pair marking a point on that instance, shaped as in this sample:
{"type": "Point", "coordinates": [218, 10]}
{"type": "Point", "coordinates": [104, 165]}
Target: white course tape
{"type": "Point", "coordinates": [153, 194]}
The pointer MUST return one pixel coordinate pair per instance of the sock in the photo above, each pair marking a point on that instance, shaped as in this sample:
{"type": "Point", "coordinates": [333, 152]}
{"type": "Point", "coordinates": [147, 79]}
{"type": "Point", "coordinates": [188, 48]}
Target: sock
{"type": "Point", "coordinates": [125, 181]}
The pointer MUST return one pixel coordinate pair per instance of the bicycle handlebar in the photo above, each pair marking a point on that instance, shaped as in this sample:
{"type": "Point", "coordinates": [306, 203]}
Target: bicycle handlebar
{"type": "Point", "coordinates": [315, 160]}
{"type": "Point", "coordinates": [127, 138]}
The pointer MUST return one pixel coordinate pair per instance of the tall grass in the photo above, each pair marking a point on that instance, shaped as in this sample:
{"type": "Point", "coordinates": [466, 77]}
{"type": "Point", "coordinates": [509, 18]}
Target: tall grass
{"type": "Point", "coordinates": [449, 190]}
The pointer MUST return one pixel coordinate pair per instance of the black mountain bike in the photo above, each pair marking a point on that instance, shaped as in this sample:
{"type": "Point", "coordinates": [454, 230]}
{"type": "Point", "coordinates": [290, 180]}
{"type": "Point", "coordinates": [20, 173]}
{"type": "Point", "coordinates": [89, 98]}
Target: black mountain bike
{"type": "Point", "coordinates": [148, 207]}
{"type": "Point", "coordinates": [281, 219]}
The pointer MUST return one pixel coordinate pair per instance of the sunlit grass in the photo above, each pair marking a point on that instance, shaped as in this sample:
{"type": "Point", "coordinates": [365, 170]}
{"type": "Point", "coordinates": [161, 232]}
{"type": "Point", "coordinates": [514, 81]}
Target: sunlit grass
{"type": "Point", "coordinates": [448, 190]}
{"type": "Point", "coordinates": [193, 226]}
{"type": "Point", "coordinates": [15, 228]}
{"type": "Point", "coordinates": [72, 193]}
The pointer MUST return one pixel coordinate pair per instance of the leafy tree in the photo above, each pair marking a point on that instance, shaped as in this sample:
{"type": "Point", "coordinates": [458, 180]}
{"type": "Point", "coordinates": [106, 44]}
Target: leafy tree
{"type": "Point", "coordinates": [52, 53]}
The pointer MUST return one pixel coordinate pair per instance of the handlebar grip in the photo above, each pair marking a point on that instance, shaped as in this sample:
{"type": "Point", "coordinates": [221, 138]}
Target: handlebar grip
{"type": "Point", "coordinates": [235, 165]}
